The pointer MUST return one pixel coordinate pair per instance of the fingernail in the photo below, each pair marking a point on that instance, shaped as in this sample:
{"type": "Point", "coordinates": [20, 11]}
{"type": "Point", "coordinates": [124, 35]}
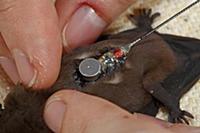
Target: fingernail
{"type": "Point", "coordinates": [26, 71]}
{"type": "Point", "coordinates": [10, 68]}
{"type": "Point", "coordinates": [54, 114]}
{"type": "Point", "coordinates": [83, 28]}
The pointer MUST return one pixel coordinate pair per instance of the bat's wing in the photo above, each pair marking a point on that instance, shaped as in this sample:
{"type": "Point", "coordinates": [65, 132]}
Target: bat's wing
{"type": "Point", "coordinates": [187, 51]}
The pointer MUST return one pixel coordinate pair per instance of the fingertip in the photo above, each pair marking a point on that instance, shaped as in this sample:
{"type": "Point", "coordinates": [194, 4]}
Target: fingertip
{"type": "Point", "coordinates": [47, 70]}
{"type": "Point", "coordinates": [83, 21]}
{"type": "Point", "coordinates": [83, 28]}
{"type": "Point", "coordinates": [34, 41]}
{"type": "Point", "coordinates": [54, 114]}
{"type": "Point", "coordinates": [10, 68]}
{"type": "Point", "coordinates": [39, 69]}
{"type": "Point", "coordinates": [81, 110]}
{"type": "Point", "coordinates": [56, 108]}
{"type": "Point", "coordinates": [26, 71]}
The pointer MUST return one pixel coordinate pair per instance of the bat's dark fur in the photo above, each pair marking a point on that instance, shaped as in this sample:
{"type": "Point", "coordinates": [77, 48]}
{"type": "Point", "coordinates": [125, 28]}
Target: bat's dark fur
{"type": "Point", "coordinates": [158, 72]}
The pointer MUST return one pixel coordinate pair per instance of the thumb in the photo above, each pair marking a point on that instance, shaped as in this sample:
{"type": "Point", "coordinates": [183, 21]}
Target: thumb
{"type": "Point", "coordinates": [82, 21]}
{"type": "Point", "coordinates": [74, 112]}
{"type": "Point", "coordinates": [30, 41]}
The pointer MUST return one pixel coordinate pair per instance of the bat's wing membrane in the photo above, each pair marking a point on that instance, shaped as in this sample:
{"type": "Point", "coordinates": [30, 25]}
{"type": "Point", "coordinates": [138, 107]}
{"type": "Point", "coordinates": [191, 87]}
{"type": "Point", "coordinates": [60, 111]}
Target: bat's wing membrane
{"type": "Point", "coordinates": [187, 51]}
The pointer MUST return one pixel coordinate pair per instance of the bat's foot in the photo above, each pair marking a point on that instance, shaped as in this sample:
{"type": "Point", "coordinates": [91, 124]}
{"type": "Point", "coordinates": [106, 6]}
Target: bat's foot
{"type": "Point", "coordinates": [143, 18]}
{"type": "Point", "coordinates": [180, 116]}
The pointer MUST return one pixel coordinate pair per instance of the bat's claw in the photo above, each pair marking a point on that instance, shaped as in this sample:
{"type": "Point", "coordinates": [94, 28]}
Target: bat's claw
{"type": "Point", "coordinates": [143, 18]}
{"type": "Point", "coordinates": [180, 117]}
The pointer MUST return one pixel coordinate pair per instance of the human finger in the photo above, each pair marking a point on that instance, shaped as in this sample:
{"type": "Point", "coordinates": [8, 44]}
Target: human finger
{"type": "Point", "coordinates": [83, 21]}
{"type": "Point", "coordinates": [7, 62]}
{"type": "Point", "coordinates": [74, 112]}
{"type": "Point", "coordinates": [31, 33]}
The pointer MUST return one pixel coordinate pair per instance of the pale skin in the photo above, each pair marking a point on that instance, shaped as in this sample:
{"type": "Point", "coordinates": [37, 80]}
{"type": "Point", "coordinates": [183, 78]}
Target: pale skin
{"type": "Point", "coordinates": [76, 112]}
{"type": "Point", "coordinates": [33, 34]}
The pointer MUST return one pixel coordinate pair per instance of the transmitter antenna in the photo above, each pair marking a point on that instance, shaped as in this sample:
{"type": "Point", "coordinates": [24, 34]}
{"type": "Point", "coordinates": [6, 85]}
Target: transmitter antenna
{"type": "Point", "coordinates": [130, 45]}
{"type": "Point", "coordinates": [91, 69]}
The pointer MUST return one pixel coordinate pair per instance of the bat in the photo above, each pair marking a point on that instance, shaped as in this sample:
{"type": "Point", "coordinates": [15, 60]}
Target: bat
{"type": "Point", "coordinates": [157, 72]}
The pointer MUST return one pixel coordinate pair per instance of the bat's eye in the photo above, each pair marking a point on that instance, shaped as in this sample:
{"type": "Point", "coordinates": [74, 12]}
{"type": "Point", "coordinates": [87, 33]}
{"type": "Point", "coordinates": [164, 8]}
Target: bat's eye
{"type": "Point", "coordinates": [90, 69]}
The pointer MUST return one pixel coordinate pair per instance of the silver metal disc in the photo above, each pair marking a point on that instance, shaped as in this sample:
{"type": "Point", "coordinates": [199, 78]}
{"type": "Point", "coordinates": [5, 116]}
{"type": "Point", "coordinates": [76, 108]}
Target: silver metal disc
{"type": "Point", "coordinates": [90, 67]}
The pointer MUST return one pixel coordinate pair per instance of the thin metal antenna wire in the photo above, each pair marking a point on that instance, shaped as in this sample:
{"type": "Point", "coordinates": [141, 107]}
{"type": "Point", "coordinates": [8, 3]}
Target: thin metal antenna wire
{"type": "Point", "coordinates": [129, 46]}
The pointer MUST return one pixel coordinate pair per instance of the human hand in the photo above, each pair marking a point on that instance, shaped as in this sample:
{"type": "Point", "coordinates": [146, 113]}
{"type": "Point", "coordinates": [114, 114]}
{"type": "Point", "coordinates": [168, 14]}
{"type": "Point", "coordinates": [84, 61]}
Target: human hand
{"type": "Point", "coordinates": [70, 111]}
{"type": "Point", "coordinates": [30, 34]}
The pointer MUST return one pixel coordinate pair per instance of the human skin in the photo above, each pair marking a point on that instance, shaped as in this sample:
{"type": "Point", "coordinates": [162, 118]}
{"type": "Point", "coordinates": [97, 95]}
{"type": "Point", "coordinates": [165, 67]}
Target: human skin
{"type": "Point", "coordinates": [70, 111]}
{"type": "Point", "coordinates": [32, 34]}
